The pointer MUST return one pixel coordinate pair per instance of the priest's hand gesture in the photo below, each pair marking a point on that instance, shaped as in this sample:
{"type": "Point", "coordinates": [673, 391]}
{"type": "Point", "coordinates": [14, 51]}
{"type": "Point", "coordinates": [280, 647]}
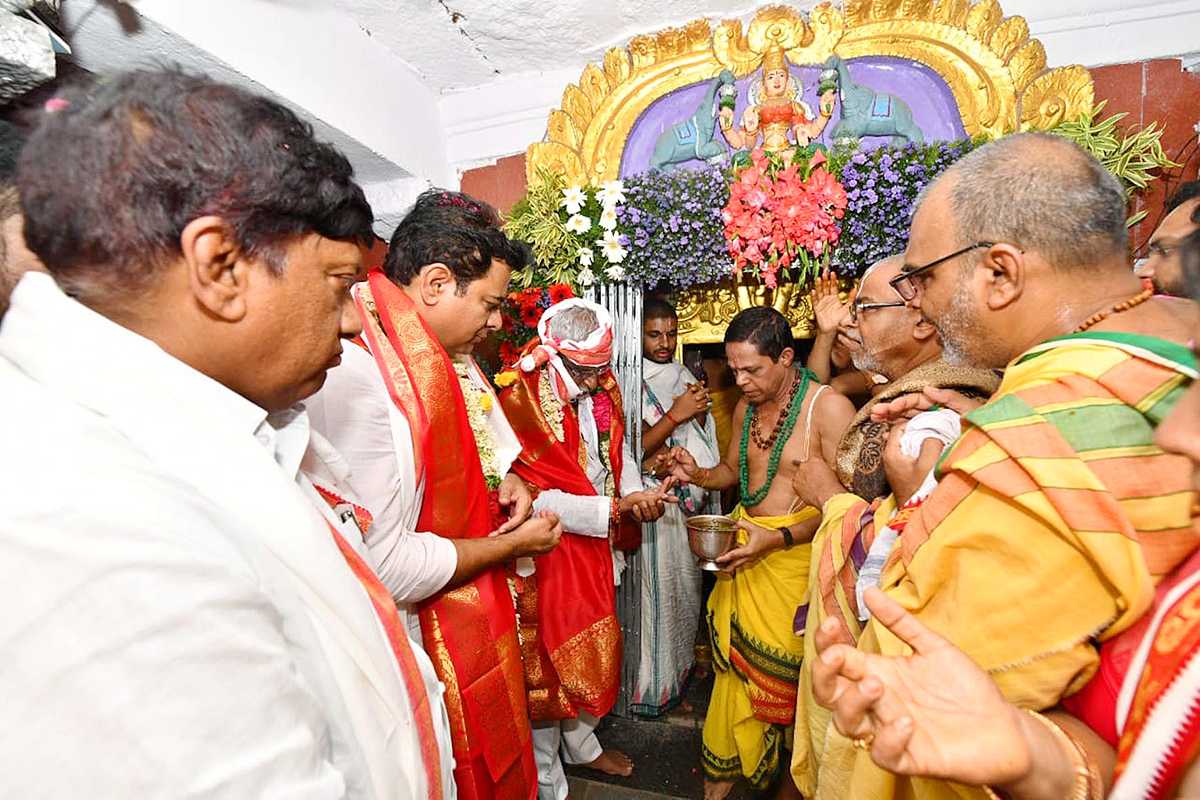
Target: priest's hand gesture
{"type": "Point", "coordinates": [680, 465]}
{"type": "Point", "coordinates": [693, 403]}
{"type": "Point", "coordinates": [814, 481]}
{"type": "Point", "coordinates": [759, 542]}
{"type": "Point", "coordinates": [649, 505]}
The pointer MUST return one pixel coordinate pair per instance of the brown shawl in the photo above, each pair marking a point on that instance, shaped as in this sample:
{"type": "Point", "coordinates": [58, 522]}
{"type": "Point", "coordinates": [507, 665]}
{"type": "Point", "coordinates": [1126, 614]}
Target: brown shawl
{"type": "Point", "coordinates": [860, 453]}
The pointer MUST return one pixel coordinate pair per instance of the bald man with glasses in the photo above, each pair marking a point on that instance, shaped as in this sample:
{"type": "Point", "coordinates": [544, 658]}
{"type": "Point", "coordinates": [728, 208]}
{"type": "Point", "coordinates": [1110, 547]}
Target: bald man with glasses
{"type": "Point", "coordinates": [1055, 497]}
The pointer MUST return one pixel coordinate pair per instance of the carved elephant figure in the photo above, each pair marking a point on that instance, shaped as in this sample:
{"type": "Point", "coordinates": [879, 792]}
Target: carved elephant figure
{"type": "Point", "coordinates": [866, 112]}
{"type": "Point", "coordinates": [692, 138]}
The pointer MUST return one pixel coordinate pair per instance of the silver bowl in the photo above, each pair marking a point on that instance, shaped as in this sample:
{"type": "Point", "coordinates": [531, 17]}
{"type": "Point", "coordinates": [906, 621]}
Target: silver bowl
{"type": "Point", "coordinates": [711, 536]}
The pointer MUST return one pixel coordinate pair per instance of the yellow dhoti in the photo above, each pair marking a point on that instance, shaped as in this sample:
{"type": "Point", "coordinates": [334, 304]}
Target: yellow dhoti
{"type": "Point", "coordinates": [757, 660]}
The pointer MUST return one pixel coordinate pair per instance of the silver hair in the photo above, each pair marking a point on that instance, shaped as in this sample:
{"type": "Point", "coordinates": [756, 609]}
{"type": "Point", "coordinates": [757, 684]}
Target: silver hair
{"type": "Point", "coordinates": [1042, 193]}
{"type": "Point", "coordinates": [575, 323]}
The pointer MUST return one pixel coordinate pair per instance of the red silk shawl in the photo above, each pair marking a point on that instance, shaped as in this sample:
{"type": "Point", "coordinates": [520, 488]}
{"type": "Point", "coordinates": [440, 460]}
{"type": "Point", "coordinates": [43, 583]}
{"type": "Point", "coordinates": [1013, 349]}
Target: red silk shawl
{"type": "Point", "coordinates": [469, 632]}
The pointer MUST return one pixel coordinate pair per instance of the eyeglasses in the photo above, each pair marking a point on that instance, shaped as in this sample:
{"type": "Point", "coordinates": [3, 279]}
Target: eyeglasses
{"type": "Point", "coordinates": [908, 284]}
{"type": "Point", "coordinates": [857, 306]}
{"type": "Point", "coordinates": [582, 373]}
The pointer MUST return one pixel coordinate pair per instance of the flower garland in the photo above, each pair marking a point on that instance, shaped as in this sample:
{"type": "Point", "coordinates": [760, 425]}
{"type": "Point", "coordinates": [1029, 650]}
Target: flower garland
{"type": "Point", "coordinates": [782, 216]}
{"type": "Point", "coordinates": [602, 414]}
{"type": "Point", "coordinates": [551, 406]}
{"type": "Point", "coordinates": [479, 403]}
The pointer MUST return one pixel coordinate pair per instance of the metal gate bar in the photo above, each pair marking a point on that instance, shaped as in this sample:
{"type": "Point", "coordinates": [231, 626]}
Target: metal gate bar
{"type": "Point", "coordinates": [625, 304]}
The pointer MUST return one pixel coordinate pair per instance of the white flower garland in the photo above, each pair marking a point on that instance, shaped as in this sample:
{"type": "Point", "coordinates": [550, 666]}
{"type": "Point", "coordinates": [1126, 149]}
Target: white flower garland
{"type": "Point", "coordinates": [551, 406]}
{"type": "Point", "coordinates": [479, 402]}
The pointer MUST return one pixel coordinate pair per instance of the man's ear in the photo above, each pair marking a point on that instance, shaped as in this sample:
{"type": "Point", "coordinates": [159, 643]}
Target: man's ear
{"type": "Point", "coordinates": [1004, 273]}
{"type": "Point", "coordinates": [787, 356]}
{"type": "Point", "coordinates": [216, 271]}
{"type": "Point", "coordinates": [435, 281]}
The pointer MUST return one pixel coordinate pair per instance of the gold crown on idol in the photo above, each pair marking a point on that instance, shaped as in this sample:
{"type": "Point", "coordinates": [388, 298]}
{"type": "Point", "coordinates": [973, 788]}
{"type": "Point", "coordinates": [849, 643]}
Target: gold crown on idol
{"type": "Point", "coordinates": [774, 59]}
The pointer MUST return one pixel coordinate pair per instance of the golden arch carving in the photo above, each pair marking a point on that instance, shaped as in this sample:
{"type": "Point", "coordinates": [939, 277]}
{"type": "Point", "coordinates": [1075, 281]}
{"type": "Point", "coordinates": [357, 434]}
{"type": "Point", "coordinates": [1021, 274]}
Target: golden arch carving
{"type": "Point", "coordinates": [997, 73]}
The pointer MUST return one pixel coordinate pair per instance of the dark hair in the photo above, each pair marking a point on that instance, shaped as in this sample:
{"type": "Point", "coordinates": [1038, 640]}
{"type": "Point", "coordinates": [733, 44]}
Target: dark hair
{"type": "Point", "coordinates": [12, 139]}
{"type": "Point", "coordinates": [1185, 192]}
{"type": "Point", "coordinates": [655, 307]}
{"type": "Point", "coordinates": [453, 229]}
{"type": "Point", "coordinates": [109, 182]}
{"type": "Point", "coordinates": [765, 328]}
{"type": "Point", "coordinates": [1189, 256]}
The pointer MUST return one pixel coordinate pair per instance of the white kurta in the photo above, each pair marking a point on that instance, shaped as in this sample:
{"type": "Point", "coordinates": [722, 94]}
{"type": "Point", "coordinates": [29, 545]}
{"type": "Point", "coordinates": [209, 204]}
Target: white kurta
{"type": "Point", "coordinates": [177, 618]}
{"type": "Point", "coordinates": [354, 411]}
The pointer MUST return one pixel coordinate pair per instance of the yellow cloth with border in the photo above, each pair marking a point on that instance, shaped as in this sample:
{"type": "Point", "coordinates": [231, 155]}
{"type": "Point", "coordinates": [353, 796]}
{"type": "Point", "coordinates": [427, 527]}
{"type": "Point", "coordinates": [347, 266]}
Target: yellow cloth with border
{"type": "Point", "coordinates": [756, 657]}
{"type": "Point", "coordinates": [831, 585]}
{"type": "Point", "coordinates": [1054, 517]}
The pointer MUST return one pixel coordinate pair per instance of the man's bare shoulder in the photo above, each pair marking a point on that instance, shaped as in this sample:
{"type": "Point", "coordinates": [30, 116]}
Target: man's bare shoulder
{"type": "Point", "coordinates": [834, 403]}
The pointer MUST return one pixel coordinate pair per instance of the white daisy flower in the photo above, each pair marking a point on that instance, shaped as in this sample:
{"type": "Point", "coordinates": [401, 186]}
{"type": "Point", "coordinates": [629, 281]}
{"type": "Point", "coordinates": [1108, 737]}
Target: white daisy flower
{"type": "Point", "coordinates": [611, 193]}
{"type": "Point", "coordinates": [608, 219]}
{"type": "Point", "coordinates": [611, 247]}
{"type": "Point", "coordinates": [586, 277]}
{"type": "Point", "coordinates": [615, 273]}
{"type": "Point", "coordinates": [586, 256]}
{"type": "Point", "coordinates": [573, 199]}
{"type": "Point", "coordinates": [578, 223]}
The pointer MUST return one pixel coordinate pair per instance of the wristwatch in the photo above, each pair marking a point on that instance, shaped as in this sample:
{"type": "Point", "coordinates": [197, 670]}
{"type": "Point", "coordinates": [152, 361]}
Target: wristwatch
{"type": "Point", "coordinates": [788, 540]}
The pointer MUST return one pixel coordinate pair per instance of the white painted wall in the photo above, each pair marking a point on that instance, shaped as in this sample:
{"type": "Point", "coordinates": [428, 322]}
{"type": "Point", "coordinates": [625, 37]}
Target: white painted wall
{"type": "Point", "coordinates": [309, 55]}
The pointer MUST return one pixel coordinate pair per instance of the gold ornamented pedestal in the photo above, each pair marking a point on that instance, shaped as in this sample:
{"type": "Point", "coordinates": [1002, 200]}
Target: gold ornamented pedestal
{"type": "Point", "coordinates": [705, 312]}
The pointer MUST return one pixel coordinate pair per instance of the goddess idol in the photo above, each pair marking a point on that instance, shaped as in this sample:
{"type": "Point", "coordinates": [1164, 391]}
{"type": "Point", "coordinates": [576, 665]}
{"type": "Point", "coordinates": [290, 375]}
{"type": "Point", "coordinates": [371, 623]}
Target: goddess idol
{"type": "Point", "coordinates": [775, 110]}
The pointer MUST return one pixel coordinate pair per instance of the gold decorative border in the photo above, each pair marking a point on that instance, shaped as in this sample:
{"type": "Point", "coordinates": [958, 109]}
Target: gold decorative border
{"type": "Point", "coordinates": [997, 74]}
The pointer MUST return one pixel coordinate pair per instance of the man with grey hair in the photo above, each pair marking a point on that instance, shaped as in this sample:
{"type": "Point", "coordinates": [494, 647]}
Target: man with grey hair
{"type": "Point", "coordinates": [1055, 496]}
{"type": "Point", "coordinates": [901, 345]}
{"type": "Point", "coordinates": [898, 343]}
{"type": "Point", "coordinates": [564, 404]}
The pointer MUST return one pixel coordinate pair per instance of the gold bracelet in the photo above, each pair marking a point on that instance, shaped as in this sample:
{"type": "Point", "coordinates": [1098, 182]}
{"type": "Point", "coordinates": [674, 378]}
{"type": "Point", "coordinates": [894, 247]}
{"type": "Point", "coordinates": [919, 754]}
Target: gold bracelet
{"type": "Point", "coordinates": [703, 477]}
{"type": "Point", "coordinates": [1088, 785]}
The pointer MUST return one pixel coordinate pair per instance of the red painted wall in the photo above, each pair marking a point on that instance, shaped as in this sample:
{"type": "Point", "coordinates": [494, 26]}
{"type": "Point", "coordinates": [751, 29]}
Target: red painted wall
{"type": "Point", "coordinates": [1150, 91]}
{"type": "Point", "coordinates": [1156, 91]}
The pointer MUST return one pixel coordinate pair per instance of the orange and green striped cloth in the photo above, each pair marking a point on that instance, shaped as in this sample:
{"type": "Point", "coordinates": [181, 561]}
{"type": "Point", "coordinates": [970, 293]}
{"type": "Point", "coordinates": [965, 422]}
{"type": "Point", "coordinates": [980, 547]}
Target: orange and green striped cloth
{"type": "Point", "coordinates": [1054, 517]}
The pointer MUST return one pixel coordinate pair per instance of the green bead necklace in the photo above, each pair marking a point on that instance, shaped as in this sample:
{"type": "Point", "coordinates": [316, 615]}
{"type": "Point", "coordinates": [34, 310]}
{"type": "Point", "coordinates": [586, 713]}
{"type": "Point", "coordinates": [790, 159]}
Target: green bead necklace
{"type": "Point", "coordinates": [751, 499]}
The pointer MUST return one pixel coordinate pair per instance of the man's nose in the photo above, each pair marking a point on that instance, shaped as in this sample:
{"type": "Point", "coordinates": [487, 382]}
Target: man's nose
{"type": "Point", "coordinates": [350, 323]}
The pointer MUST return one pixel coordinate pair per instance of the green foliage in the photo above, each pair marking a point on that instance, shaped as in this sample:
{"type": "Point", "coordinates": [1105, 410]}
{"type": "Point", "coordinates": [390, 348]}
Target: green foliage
{"type": "Point", "coordinates": [1131, 155]}
{"type": "Point", "coordinates": [573, 232]}
{"type": "Point", "coordinates": [535, 219]}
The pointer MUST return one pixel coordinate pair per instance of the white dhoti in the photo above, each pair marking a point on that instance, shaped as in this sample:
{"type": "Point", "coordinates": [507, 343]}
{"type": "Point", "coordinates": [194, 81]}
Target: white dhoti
{"type": "Point", "coordinates": [572, 741]}
{"type": "Point", "coordinates": [671, 584]}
